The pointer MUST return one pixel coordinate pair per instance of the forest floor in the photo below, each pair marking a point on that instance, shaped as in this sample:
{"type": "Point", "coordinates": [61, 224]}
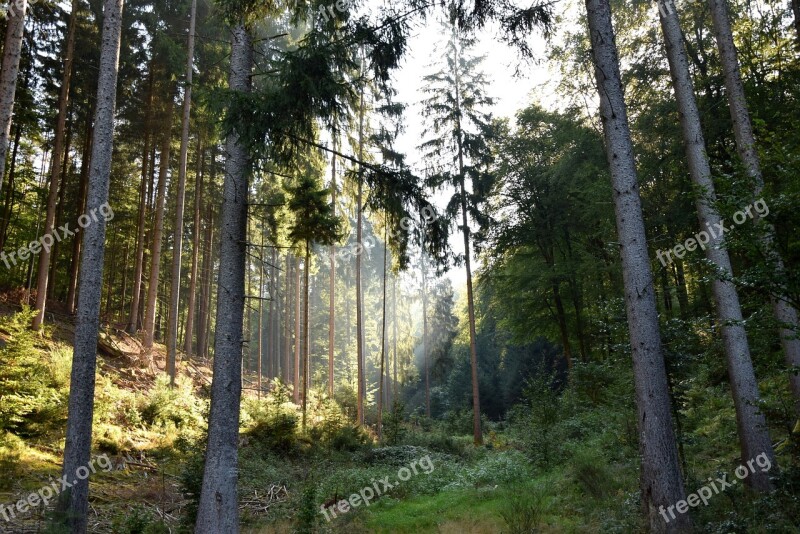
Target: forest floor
{"type": "Point", "coordinates": [575, 473]}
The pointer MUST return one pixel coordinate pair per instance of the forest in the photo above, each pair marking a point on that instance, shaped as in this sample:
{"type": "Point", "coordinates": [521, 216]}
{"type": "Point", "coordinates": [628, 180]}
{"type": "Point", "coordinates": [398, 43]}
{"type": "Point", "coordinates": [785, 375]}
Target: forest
{"type": "Point", "coordinates": [447, 266]}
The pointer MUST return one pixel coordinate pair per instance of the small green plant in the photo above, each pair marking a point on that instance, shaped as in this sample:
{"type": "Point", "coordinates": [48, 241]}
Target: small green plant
{"type": "Point", "coordinates": [307, 516]}
{"type": "Point", "coordinates": [27, 399]}
{"type": "Point", "coordinates": [393, 429]}
{"type": "Point", "coordinates": [139, 520]}
{"type": "Point", "coordinates": [523, 514]}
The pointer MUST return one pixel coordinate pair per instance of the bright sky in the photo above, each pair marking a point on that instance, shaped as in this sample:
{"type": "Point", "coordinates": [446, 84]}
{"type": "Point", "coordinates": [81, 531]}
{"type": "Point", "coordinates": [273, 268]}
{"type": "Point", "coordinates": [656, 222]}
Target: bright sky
{"type": "Point", "coordinates": [510, 93]}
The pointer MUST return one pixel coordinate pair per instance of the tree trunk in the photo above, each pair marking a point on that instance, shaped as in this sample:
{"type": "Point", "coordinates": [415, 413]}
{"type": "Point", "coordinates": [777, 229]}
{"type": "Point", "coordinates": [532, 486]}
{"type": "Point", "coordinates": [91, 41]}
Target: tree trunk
{"type": "Point", "coordinates": [306, 373]}
{"type": "Point", "coordinates": [273, 355]}
{"type": "Point", "coordinates": [425, 336]}
{"type": "Point", "coordinates": [73, 504]}
{"type": "Point", "coordinates": [219, 507]}
{"type": "Point", "coordinates": [198, 202]}
{"type": "Point", "coordinates": [9, 188]}
{"type": "Point", "coordinates": [77, 240]}
{"type": "Point", "coordinates": [332, 282]}
{"type": "Point", "coordinates": [660, 477]}
{"type": "Point", "coordinates": [12, 51]}
{"type": "Point", "coordinates": [287, 316]}
{"type": "Point", "coordinates": [394, 338]}
{"type": "Point", "coordinates": [561, 316]}
{"type": "Point", "coordinates": [476, 403]}
{"type": "Point", "coordinates": [785, 314]}
{"type": "Point", "coordinates": [60, 209]}
{"type": "Point", "coordinates": [796, 13]}
{"type": "Point", "coordinates": [260, 315]}
{"type": "Point", "coordinates": [752, 427]}
{"type": "Point", "coordinates": [175, 281]}
{"type": "Point", "coordinates": [55, 170]}
{"type": "Point", "coordinates": [158, 229]}
{"type": "Point", "coordinates": [381, 379]}
{"type": "Point", "coordinates": [297, 314]}
{"type": "Point", "coordinates": [359, 252]}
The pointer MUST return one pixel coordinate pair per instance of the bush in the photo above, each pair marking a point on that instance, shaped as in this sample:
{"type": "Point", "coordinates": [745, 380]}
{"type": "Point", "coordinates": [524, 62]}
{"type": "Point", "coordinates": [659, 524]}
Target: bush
{"type": "Point", "coordinates": [393, 430]}
{"type": "Point", "coordinates": [349, 439]}
{"type": "Point", "coordinates": [29, 402]}
{"type": "Point", "coordinates": [523, 514]}
{"type": "Point", "coordinates": [274, 422]}
{"type": "Point", "coordinates": [177, 405]}
{"type": "Point", "coordinates": [139, 520]}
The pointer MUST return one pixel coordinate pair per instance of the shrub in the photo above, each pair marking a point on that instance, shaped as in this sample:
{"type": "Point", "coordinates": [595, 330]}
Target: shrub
{"type": "Point", "coordinates": [393, 430]}
{"type": "Point", "coordinates": [523, 514]}
{"type": "Point", "coordinates": [139, 520]}
{"type": "Point", "coordinates": [273, 422]}
{"type": "Point", "coordinates": [28, 402]}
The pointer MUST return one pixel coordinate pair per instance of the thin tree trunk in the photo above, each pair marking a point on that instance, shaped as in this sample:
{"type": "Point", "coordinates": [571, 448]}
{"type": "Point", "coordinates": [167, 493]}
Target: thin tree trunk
{"type": "Point", "coordinates": [425, 358]}
{"type": "Point", "coordinates": [287, 317]}
{"type": "Point", "coordinates": [77, 240]}
{"type": "Point", "coordinates": [260, 314]}
{"type": "Point", "coordinates": [55, 173]}
{"type": "Point", "coordinates": [476, 403]}
{"type": "Point", "coordinates": [9, 201]}
{"type": "Point", "coordinates": [60, 209]}
{"type": "Point", "coordinates": [158, 229]}
{"type": "Point", "coordinates": [561, 316]}
{"type": "Point", "coordinates": [359, 253]}
{"type": "Point", "coordinates": [198, 203]}
{"type": "Point", "coordinates": [660, 476]}
{"type": "Point", "coordinates": [752, 427]}
{"type": "Point", "coordinates": [175, 281]}
{"type": "Point", "coordinates": [332, 283]}
{"type": "Point", "coordinates": [381, 389]}
{"type": "Point", "coordinates": [12, 51]}
{"type": "Point", "coordinates": [297, 315]}
{"type": "Point", "coordinates": [796, 13]}
{"type": "Point", "coordinates": [73, 504]}
{"type": "Point", "coordinates": [785, 314]}
{"type": "Point", "coordinates": [306, 372]}
{"type": "Point", "coordinates": [394, 337]}
{"type": "Point", "coordinates": [218, 510]}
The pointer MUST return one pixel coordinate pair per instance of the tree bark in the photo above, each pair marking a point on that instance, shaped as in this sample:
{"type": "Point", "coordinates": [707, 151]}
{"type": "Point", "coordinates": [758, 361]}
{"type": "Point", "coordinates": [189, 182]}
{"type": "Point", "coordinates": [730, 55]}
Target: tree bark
{"type": "Point", "coordinates": [394, 338]}
{"type": "Point", "coordinates": [306, 371]}
{"type": "Point", "coordinates": [425, 336]}
{"type": "Point", "coordinates": [175, 281]}
{"type": "Point", "coordinates": [287, 316]}
{"type": "Point", "coordinates": [77, 240]}
{"type": "Point", "coordinates": [12, 51]}
{"type": "Point", "coordinates": [198, 203]}
{"type": "Point", "coordinates": [219, 507]}
{"type": "Point", "coordinates": [260, 315]}
{"type": "Point", "coordinates": [73, 504]}
{"type": "Point", "coordinates": [752, 427]}
{"type": "Point", "coordinates": [660, 477]}
{"type": "Point", "coordinates": [381, 388]}
{"type": "Point", "coordinates": [332, 282]}
{"type": "Point", "coordinates": [297, 316]}
{"type": "Point", "coordinates": [785, 314]}
{"type": "Point", "coordinates": [359, 252]}
{"type": "Point", "coordinates": [43, 273]}
{"type": "Point", "coordinates": [158, 229]}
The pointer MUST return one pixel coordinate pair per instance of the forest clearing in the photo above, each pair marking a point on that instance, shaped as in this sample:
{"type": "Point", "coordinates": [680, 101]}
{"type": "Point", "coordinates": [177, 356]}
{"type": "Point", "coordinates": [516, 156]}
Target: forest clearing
{"type": "Point", "coordinates": [486, 266]}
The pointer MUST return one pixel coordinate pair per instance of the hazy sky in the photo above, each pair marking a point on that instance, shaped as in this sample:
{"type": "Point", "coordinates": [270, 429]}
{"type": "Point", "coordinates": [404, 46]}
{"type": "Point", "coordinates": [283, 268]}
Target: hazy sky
{"type": "Point", "coordinates": [511, 93]}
